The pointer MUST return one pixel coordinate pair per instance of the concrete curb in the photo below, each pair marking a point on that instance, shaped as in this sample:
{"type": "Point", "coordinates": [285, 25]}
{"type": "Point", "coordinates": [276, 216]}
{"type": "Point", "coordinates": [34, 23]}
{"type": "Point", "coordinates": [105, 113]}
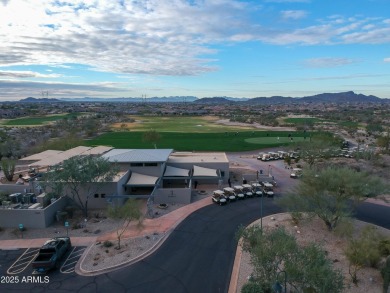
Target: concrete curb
{"type": "Point", "coordinates": [79, 270]}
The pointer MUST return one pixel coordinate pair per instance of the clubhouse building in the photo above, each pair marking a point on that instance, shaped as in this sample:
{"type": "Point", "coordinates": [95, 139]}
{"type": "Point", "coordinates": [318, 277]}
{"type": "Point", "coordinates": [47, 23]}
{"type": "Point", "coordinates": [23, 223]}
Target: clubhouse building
{"type": "Point", "coordinates": [162, 175]}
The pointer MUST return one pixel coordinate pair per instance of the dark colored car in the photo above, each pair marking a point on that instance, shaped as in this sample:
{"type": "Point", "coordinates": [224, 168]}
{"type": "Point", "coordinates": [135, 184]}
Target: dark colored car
{"type": "Point", "coordinates": [50, 254]}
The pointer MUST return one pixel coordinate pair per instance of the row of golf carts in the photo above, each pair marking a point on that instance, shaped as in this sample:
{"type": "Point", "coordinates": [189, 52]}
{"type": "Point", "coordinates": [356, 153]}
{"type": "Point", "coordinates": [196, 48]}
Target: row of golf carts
{"type": "Point", "coordinates": [279, 155]}
{"type": "Point", "coordinates": [240, 192]}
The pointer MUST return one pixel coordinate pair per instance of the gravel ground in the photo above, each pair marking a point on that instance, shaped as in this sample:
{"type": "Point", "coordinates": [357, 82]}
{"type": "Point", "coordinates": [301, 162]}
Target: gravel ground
{"type": "Point", "coordinates": [370, 279]}
{"type": "Point", "coordinates": [101, 257]}
{"type": "Point", "coordinates": [97, 224]}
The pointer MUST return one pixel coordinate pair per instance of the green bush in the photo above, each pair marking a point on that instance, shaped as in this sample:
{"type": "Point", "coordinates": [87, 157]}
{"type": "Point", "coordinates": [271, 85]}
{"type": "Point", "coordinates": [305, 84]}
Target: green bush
{"type": "Point", "coordinates": [384, 247]}
{"type": "Point", "coordinates": [107, 243]}
{"type": "Point", "coordinates": [385, 272]}
{"type": "Point", "coordinates": [364, 250]}
{"type": "Point", "coordinates": [276, 250]}
{"type": "Point", "coordinates": [296, 217]}
{"type": "Point", "coordinates": [254, 287]}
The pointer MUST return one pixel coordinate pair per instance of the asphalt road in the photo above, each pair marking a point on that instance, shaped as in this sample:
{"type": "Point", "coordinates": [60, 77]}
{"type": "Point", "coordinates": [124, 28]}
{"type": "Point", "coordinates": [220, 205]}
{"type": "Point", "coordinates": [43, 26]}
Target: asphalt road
{"type": "Point", "coordinates": [197, 257]}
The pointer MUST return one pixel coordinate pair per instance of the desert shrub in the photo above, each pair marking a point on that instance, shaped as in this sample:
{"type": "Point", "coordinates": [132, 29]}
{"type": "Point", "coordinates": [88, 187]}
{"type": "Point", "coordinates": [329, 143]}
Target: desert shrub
{"type": "Point", "coordinates": [345, 229]}
{"type": "Point", "coordinates": [296, 217]}
{"type": "Point", "coordinates": [276, 250]}
{"type": "Point", "coordinates": [76, 226]}
{"type": "Point", "coordinates": [385, 272]}
{"type": "Point", "coordinates": [3, 196]}
{"type": "Point", "coordinates": [384, 247]}
{"type": "Point", "coordinates": [107, 243]}
{"type": "Point", "coordinates": [364, 250]}
{"type": "Point", "coordinates": [254, 287]}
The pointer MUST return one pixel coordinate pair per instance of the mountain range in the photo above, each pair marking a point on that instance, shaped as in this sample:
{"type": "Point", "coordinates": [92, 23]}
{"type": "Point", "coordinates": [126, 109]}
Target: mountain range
{"type": "Point", "coordinates": [343, 97]}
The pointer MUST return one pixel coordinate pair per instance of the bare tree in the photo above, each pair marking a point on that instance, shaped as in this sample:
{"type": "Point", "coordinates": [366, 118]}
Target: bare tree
{"type": "Point", "coordinates": [125, 214]}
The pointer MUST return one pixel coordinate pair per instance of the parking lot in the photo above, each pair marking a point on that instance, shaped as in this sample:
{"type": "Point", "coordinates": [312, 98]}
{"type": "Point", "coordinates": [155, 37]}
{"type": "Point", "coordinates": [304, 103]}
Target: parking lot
{"type": "Point", "coordinates": [18, 261]}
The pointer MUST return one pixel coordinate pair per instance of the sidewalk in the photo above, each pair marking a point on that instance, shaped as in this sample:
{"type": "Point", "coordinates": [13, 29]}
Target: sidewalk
{"type": "Point", "coordinates": [163, 224]}
{"type": "Point", "coordinates": [38, 242]}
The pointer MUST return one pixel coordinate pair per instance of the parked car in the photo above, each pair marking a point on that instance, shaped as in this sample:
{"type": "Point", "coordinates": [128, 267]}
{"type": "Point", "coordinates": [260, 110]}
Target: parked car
{"type": "Point", "coordinates": [238, 190]}
{"type": "Point", "coordinates": [247, 189]}
{"type": "Point", "coordinates": [218, 197]}
{"type": "Point", "coordinates": [50, 254]}
{"type": "Point", "coordinates": [229, 194]}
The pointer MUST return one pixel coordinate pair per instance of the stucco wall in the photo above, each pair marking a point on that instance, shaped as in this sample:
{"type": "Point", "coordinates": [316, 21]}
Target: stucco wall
{"type": "Point", "coordinates": [15, 188]}
{"type": "Point", "coordinates": [36, 218]}
{"type": "Point", "coordinates": [174, 195]}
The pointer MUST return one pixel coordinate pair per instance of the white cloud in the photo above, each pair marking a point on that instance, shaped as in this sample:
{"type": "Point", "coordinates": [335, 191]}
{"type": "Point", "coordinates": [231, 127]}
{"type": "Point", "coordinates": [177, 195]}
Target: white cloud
{"type": "Point", "coordinates": [328, 62]}
{"type": "Point", "coordinates": [293, 14]}
{"type": "Point", "coordinates": [386, 59]}
{"type": "Point", "coordinates": [13, 89]}
{"type": "Point", "coordinates": [159, 37]}
{"type": "Point", "coordinates": [26, 74]}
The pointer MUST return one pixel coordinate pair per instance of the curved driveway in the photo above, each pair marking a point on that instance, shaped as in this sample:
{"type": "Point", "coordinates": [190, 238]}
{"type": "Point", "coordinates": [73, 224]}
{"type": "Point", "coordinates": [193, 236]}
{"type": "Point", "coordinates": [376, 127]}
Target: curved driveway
{"type": "Point", "coordinates": [197, 257]}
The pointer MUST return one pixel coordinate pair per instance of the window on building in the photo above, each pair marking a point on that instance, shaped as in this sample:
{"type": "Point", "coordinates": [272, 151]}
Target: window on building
{"type": "Point", "coordinates": [150, 165]}
{"type": "Point", "coordinates": [136, 164]}
{"type": "Point", "coordinates": [96, 195]}
{"type": "Point", "coordinates": [103, 195]}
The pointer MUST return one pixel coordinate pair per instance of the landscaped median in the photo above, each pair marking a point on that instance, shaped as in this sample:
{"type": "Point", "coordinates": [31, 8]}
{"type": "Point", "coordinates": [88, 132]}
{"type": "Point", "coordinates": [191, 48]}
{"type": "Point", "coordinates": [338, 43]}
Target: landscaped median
{"type": "Point", "coordinates": [102, 257]}
{"type": "Point", "coordinates": [142, 240]}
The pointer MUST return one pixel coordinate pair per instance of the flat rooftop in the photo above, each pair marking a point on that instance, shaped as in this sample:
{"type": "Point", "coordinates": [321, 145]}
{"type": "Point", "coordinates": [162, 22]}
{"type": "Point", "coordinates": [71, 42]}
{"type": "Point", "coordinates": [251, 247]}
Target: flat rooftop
{"type": "Point", "coordinates": [189, 157]}
{"type": "Point", "coordinates": [53, 157]}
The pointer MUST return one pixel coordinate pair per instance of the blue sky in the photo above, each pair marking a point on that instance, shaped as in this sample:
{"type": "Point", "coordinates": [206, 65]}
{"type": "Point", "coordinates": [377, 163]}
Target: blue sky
{"type": "Point", "coordinates": [200, 48]}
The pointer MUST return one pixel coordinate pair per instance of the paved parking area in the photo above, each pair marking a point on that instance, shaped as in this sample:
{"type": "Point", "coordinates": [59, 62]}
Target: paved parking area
{"type": "Point", "coordinates": [23, 261]}
{"type": "Point", "coordinates": [18, 262]}
{"type": "Point", "coordinates": [71, 260]}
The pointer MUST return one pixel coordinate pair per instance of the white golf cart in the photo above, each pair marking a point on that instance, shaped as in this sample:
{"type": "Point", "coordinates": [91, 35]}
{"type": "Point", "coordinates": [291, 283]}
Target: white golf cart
{"type": "Point", "coordinates": [218, 197]}
{"type": "Point", "coordinates": [229, 194]}
{"type": "Point", "coordinates": [247, 189]}
{"type": "Point", "coordinates": [256, 188]}
{"type": "Point", "coordinates": [238, 190]}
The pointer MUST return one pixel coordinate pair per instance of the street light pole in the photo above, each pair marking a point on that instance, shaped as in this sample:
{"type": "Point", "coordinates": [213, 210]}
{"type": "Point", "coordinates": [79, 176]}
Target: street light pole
{"type": "Point", "coordinates": [277, 287]}
{"type": "Point", "coordinates": [261, 212]}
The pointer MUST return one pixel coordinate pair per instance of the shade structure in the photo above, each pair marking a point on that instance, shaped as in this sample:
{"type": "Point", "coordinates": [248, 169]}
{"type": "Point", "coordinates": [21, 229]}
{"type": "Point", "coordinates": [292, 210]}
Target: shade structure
{"type": "Point", "coordinates": [138, 179]}
{"type": "Point", "coordinates": [176, 172]}
{"type": "Point", "coordinates": [205, 172]}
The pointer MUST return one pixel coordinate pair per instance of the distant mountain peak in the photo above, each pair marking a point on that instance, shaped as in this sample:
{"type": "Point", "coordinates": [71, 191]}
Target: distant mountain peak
{"type": "Point", "coordinates": [35, 100]}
